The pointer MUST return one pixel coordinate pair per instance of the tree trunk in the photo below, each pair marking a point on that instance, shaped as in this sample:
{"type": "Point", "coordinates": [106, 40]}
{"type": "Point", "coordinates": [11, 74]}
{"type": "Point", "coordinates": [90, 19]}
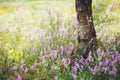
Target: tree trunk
{"type": "Point", "coordinates": [86, 32]}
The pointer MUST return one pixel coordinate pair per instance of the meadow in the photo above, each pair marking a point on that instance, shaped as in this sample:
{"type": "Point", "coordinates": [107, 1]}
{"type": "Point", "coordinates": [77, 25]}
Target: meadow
{"type": "Point", "coordinates": [38, 41]}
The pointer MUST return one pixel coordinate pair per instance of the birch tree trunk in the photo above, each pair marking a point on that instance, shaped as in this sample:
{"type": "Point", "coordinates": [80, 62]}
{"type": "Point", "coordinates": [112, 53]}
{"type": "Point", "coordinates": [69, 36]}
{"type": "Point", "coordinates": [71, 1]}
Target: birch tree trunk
{"type": "Point", "coordinates": [86, 32]}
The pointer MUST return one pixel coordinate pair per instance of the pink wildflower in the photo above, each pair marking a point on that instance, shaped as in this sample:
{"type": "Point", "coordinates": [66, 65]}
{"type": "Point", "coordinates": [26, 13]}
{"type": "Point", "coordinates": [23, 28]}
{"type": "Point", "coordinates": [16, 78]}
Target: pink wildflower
{"type": "Point", "coordinates": [106, 62]}
{"type": "Point", "coordinates": [75, 21]}
{"type": "Point", "coordinates": [100, 64]}
{"type": "Point", "coordinates": [19, 77]}
{"type": "Point", "coordinates": [105, 69]}
{"type": "Point", "coordinates": [74, 76]}
{"type": "Point", "coordinates": [64, 62]}
{"type": "Point", "coordinates": [113, 71]}
{"type": "Point", "coordinates": [14, 68]}
{"type": "Point", "coordinates": [89, 57]}
{"type": "Point", "coordinates": [113, 62]}
{"type": "Point", "coordinates": [98, 50]}
{"type": "Point", "coordinates": [54, 54]}
{"type": "Point", "coordinates": [95, 70]}
{"type": "Point", "coordinates": [81, 68]}
{"type": "Point", "coordinates": [74, 68]}
{"type": "Point", "coordinates": [77, 65]}
{"type": "Point", "coordinates": [100, 58]}
{"type": "Point", "coordinates": [55, 77]}
{"type": "Point", "coordinates": [25, 70]}
{"type": "Point", "coordinates": [107, 52]}
{"type": "Point", "coordinates": [69, 60]}
{"type": "Point", "coordinates": [117, 56]}
{"type": "Point", "coordinates": [114, 48]}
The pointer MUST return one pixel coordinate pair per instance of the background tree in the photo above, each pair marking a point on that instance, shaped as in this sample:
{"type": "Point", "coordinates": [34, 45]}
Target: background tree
{"type": "Point", "coordinates": [86, 32]}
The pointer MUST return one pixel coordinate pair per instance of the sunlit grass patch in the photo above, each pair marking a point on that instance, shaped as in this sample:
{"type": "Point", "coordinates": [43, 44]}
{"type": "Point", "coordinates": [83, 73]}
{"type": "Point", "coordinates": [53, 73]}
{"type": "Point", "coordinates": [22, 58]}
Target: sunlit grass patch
{"type": "Point", "coordinates": [6, 9]}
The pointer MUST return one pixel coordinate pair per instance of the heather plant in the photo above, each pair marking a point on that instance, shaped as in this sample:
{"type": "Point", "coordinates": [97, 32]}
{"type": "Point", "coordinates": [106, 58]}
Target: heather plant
{"type": "Point", "coordinates": [33, 47]}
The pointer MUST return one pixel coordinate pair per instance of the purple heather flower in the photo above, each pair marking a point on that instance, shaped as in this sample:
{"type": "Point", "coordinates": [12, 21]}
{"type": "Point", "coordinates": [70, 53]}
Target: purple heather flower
{"type": "Point", "coordinates": [100, 58]}
{"type": "Point", "coordinates": [107, 52]}
{"type": "Point", "coordinates": [106, 62]}
{"type": "Point", "coordinates": [36, 64]}
{"type": "Point", "coordinates": [82, 60]}
{"type": "Point", "coordinates": [98, 50]}
{"type": "Point", "coordinates": [74, 68]}
{"type": "Point", "coordinates": [113, 71]}
{"type": "Point", "coordinates": [54, 67]}
{"type": "Point", "coordinates": [55, 77]}
{"type": "Point", "coordinates": [100, 64]}
{"type": "Point", "coordinates": [113, 62]}
{"type": "Point", "coordinates": [117, 53]}
{"type": "Point", "coordinates": [70, 49]}
{"type": "Point", "coordinates": [105, 69]}
{"type": "Point", "coordinates": [114, 48]}
{"type": "Point", "coordinates": [68, 61]}
{"type": "Point", "coordinates": [89, 57]}
{"type": "Point", "coordinates": [62, 49]}
{"type": "Point", "coordinates": [64, 62]}
{"type": "Point", "coordinates": [113, 57]}
{"type": "Point", "coordinates": [77, 65]}
{"type": "Point", "coordinates": [32, 67]}
{"type": "Point", "coordinates": [74, 76]}
{"type": "Point", "coordinates": [54, 55]}
{"type": "Point", "coordinates": [91, 70]}
{"type": "Point", "coordinates": [117, 56]}
{"type": "Point", "coordinates": [25, 70]}
{"type": "Point", "coordinates": [102, 53]}
{"type": "Point", "coordinates": [62, 30]}
{"type": "Point", "coordinates": [14, 68]}
{"type": "Point", "coordinates": [95, 70]}
{"type": "Point", "coordinates": [81, 68]}
{"type": "Point", "coordinates": [19, 77]}
{"type": "Point", "coordinates": [75, 21]}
